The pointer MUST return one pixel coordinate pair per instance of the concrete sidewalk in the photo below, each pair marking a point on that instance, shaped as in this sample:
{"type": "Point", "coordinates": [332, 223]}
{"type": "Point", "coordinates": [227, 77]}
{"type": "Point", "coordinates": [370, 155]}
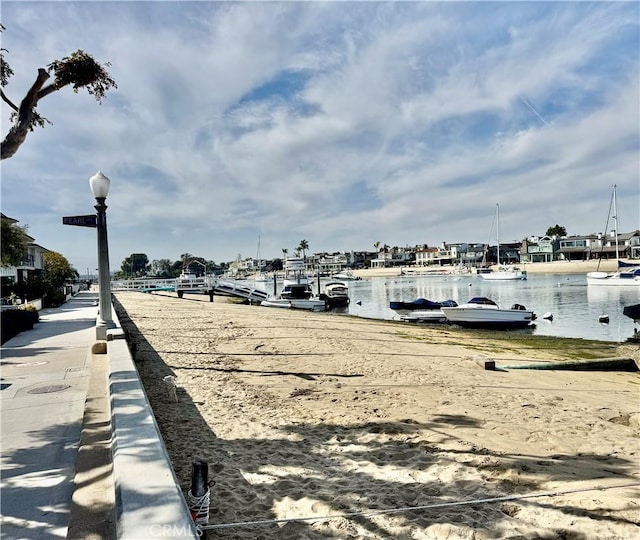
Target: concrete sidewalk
{"type": "Point", "coordinates": [44, 382]}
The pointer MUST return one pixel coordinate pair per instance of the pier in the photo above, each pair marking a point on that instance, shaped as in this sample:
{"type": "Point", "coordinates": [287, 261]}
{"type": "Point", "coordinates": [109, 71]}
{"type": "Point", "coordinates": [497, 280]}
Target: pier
{"type": "Point", "coordinates": [202, 285]}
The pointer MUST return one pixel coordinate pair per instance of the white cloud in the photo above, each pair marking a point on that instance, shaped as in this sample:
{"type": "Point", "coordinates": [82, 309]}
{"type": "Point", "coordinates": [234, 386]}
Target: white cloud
{"type": "Point", "coordinates": [340, 123]}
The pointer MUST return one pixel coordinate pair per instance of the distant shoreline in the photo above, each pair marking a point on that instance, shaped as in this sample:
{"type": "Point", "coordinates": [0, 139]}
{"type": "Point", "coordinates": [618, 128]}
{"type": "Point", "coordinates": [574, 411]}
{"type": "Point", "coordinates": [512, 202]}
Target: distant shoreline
{"type": "Point", "coordinates": [555, 267]}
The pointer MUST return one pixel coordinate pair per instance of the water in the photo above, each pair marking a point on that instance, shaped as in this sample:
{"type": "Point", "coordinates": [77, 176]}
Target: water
{"type": "Point", "coordinates": [576, 308]}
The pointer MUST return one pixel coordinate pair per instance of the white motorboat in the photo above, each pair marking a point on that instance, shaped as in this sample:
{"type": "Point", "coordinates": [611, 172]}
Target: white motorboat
{"type": "Point", "coordinates": [481, 312]}
{"type": "Point", "coordinates": [337, 294]}
{"type": "Point", "coordinates": [425, 316]}
{"type": "Point", "coordinates": [296, 289]}
{"type": "Point", "coordinates": [347, 275]}
{"type": "Point", "coordinates": [312, 304]}
{"type": "Point", "coordinates": [502, 272]}
{"type": "Point", "coordinates": [296, 283]}
{"type": "Point", "coordinates": [628, 275]}
{"type": "Point", "coordinates": [505, 273]}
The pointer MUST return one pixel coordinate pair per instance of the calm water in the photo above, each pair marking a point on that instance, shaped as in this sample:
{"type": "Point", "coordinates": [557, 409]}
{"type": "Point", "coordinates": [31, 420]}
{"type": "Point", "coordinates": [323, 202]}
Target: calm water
{"type": "Point", "coordinates": [576, 308]}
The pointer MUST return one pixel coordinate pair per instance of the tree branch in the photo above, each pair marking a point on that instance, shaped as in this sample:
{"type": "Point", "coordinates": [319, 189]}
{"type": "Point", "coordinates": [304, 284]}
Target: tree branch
{"type": "Point", "coordinates": [8, 101]}
{"type": "Point", "coordinates": [26, 113]}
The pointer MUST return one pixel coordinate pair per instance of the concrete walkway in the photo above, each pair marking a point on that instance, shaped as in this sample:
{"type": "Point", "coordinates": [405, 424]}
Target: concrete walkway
{"type": "Point", "coordinates": [44, 382]}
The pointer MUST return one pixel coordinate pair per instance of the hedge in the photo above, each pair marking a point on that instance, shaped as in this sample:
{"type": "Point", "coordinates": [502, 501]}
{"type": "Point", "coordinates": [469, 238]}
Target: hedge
{"type": "Point", "coordinates": [14, 321]}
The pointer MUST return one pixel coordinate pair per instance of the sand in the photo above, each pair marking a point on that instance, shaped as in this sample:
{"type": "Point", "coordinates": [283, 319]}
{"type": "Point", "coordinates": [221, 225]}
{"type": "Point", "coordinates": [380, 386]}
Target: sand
{"type": "Point", "coordinates": [309, 415]}
{"type": "Point", "coordinates": [554, 267]}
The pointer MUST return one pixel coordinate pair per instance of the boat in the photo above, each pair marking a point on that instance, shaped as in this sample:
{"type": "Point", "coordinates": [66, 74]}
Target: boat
{"type": "Point", "coordinates": [425, 316]}
{"type": "Point", "coordinates": [296, 283]}
{"type": "Point", "coordinates": [627, 275]}
{"type": "Point", "coordinates": [347, 275]}
{"type": "Point", "coordinates": [260, 276]}
{"type": "Point", "coordinates": [633, 312]}
{"type": "Point", "coordinates": [419, 304]}
{"type": "Point", "coordinates": [336, 294]}
{"type": "Point", "coordinates": [296, 290]}
{"type": "Point", "coordinates": [482, 312]}
{"type": "Point", "coordinates": [503, 272]}
{"type": "Point", "coordinates": [311, 304]}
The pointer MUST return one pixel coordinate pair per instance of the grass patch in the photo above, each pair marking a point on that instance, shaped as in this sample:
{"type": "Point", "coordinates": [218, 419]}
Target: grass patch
{"type": "Point", "coordinates": [517, 341]}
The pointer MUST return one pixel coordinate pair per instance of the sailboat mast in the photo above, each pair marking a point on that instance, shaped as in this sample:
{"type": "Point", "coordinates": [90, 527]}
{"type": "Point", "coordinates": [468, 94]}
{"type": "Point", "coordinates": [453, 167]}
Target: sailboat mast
{"type": "Point", "coordinates": [498, 231]}
{"type": "Point", "coordinates": [615, 224]}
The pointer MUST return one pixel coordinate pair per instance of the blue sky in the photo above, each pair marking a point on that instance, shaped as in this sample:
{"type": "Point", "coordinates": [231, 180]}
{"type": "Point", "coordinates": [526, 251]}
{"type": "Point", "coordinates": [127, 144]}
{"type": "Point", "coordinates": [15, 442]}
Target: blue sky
{"type": "Point", "coordinates": [341, 123]}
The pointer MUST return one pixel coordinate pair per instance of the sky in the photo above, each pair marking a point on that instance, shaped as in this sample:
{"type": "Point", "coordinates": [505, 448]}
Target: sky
{"type": "Point", "coordinates": [242, 128]}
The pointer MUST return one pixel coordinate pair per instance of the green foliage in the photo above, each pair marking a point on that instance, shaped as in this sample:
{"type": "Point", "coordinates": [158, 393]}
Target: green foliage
{"type": "Point", "coordinates": [82, 71]}
{"type": "Point", "coordinates": [14, 243]}
{"type": "Point", "coordinates": [5, 70]}
{"type": "Point", "coordinates": [53, 298]}
{"type": "Point", "coordinates": [135, 265]}
{"type": "Point", "coordinates": [14, 321]}
{"type": "Point", "coordinates": [303, 246]}
{"type": "Point", "coordinates": [556, 230]}
{"type": "Point", "coordinates": [78, 70]}
{"type": "Point", "coordinates": [57, 270]}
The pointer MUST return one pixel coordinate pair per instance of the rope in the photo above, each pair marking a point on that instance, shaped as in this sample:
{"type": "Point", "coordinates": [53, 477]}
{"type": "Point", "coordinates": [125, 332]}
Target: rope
{"type": "Point", "coordinates": [199, 507]}
{"type": "Point", "coordinates": [409, 508]}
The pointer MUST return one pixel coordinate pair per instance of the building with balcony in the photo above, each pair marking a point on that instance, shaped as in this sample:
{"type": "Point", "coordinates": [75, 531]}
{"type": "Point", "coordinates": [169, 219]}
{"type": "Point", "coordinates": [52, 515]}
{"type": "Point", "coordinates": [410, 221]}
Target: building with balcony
{"type": "Point", "coordinates": [11, 277]}
{"type": "Point", "coordinates": [539, 249]}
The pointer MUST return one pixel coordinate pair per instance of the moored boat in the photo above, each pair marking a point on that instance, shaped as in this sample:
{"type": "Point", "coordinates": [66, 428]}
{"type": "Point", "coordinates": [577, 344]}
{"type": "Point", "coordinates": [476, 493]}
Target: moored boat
{"type": "Point", "coordinates": [347, 275]}
{"type": "Point", "coordinates": [425, 316]}
{"type": "Point", "coordinates": [505, 272]}
{"type": "Point", "coordinates": [624, 277]}
{"type": "Point", "coordinates": [336, 294]}
{"type": "Point", "coordinates": [419, 304]}
{"type": "Point", "coordinates": [296, 290]}
{"type": "Point", "coordinates": [296, 282]}
{"type": "Point", "coordinates": [628, 274]}
{"type": "Point", "coordinates": [482, 312]}
{"type": "Point", "coordinates": [633, 312]}
{"type": "Point", "coordinates": [311, 304]}
{"type": "Point", "coordinates": [502, 272]}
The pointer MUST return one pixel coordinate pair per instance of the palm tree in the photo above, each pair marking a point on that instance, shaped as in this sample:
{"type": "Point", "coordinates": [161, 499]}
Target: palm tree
{"type": "Point", "coordinates": [303, 246]}
{"type": "Point", "coordinates": [284, 252]}
{"type": "Point", "coordinates": [376, 245]}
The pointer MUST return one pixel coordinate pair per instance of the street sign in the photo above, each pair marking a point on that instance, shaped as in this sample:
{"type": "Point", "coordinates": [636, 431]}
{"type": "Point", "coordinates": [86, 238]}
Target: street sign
{"type": "Point", "coordinates": [80, 221]}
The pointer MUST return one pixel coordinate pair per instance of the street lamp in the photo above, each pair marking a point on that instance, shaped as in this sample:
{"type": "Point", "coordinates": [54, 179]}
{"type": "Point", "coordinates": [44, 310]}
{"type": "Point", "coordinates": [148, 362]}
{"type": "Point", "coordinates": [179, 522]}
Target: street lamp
{"type": "Point", "coordinates": [100, 187]}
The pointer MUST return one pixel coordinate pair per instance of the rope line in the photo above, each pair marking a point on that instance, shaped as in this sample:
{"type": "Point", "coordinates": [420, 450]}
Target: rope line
{"type": "Point", "coordinates": [408, 508]}
{"type": "Point", "coordinates": [199, 508]}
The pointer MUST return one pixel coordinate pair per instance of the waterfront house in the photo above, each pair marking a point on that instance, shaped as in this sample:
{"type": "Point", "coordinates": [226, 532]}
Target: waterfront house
{"type": "Point", "coordinates": [539, 249]}
{"type": "Point", "coordinates": [579, 248]}
{"type": "Point", "coordinates": [13, 277]}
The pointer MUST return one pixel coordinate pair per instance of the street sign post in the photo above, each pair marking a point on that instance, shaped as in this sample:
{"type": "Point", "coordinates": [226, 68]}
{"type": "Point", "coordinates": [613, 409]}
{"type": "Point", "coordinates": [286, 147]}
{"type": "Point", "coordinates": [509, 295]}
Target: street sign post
{"type": "Point", "coordinates": [81, 221]}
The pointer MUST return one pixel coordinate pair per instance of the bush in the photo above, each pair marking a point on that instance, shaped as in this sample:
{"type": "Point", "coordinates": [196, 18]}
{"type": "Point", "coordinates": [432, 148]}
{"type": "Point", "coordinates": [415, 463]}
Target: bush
{"type": "Point", "coordinates": [54, 298]}
{"type": "Point", "coordinates": [14, 321]}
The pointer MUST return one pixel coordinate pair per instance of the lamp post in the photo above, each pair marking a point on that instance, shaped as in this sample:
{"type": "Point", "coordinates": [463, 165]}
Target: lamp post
{"type": "Point", "coordinates": [100, 187]}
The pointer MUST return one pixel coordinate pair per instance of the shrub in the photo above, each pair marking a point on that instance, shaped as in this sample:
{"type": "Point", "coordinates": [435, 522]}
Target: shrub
{"type": "Point", "coordinates": [54, 298]}
{"type": "Point", "coordinates": [14, 321]}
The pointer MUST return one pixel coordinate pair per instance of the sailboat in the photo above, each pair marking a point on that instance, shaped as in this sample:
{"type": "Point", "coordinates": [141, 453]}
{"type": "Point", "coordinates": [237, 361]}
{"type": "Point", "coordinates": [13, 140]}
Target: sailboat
{"type": "Point", "coordinates": [627, 275]}
{"type": "Point", "coordinates": [503, 272]}
{"type": "Point", "coordinates": [260, 276]}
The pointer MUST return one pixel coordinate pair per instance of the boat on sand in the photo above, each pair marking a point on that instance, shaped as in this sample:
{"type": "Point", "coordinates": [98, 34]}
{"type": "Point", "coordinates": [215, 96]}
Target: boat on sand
{"type": "Point", "coordinates": [422, 304]}
{"type": "Point", "coordinates": [482, 312]}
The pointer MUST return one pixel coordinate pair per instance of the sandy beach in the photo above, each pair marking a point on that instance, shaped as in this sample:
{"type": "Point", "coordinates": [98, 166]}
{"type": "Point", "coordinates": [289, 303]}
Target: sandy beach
{"type": "Point", "coordinates": [555, 267]}
{"type": "Point", "coordinates": [386, 430]}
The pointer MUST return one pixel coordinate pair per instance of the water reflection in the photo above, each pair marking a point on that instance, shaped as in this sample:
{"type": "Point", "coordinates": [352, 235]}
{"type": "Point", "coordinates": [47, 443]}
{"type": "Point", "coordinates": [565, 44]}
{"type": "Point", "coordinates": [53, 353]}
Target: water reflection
{"type": "Point", "coordinates": [576, 308]}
